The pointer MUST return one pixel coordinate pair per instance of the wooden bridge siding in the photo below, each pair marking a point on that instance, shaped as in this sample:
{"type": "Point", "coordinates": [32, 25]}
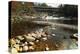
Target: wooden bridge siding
{"type": "Point", "coordinates": [47, 9]}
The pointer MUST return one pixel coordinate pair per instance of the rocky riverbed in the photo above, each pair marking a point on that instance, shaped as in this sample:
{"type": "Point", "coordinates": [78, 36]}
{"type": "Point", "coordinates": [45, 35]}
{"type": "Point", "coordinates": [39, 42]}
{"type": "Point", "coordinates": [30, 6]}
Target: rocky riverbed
{"type": "Point", "coordinates": [27, 36]}
{"type": "Point", "coordinates": [29, 42]}
{"type": "Point", "coordinates": [43, 39]}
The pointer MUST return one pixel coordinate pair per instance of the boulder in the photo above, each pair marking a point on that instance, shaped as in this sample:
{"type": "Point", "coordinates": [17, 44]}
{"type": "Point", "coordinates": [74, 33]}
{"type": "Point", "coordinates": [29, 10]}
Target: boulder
{"type": "Point", "coordinates": [26, 43]}
{"type": "Point", "coordinates": [25, 48]}
{"type": "Point", "coordinates": [17, 47]}
{"type": "Point", "coordinates": [12, 41]}
{"type": "Point", "coordinates": [30, 38]}
{"type": "Point", "coordinates": [17, 41]}
{"type": "Point", "coordinates": [14, 51]}
{"type": "Point", "coordinates": [20, 37]}
{"type": "Point", "coordinates": [20, 49]}
{"type": "Point", "coordinates": [38, 34]}
{"type": "Point", "coordinates": [37, 40]}
{"type": "Point", "coordinates": [22, 44]}
{"type": "Point", "coordinates": [43, 34]}
{"type": "Point", "coordinates": [29, 34]}
{"type": "Point", "coordinates": [74, 36]}
{"type": "Point", "coordinates": [33, 35]}
{"type": "Point", "coordinates": [46, 48]}
{"type": "Point", "coordinates": [31, 43]}
{"type": "Point", "coordinates": [31, 48]}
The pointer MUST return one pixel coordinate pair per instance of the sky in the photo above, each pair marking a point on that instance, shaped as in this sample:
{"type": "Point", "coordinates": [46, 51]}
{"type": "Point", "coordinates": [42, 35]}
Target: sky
{"type": "Point", "coordinates": [53, 4]}
{"type": "Point", "coordinates": [49, 4]}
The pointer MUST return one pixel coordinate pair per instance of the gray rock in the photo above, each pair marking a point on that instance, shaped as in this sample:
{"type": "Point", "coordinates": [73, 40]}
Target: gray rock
{"type": "Point", "coordinates": [31, 48]}
{"type": "Point", "coordinates": [20, 37]}
{"type": "Point", "coordinates": [53, 35]}
{"type": "Point", "coordinates": [43, 34]}
{"type": "Point", "coordinates": [26, 43]}
{"type": "Point", "coordinates": [17, 41]}
{"type": "Point", "coordinates": [14, 51]}
{"type": "Point", "coordinates": [37, 40]}
{"type": "Point", "coordinates": [44, 39]}
{"type": "Point", "coordinates": [31, 43]}
{"type": "Point", "coordinates": [25, 48]}
{"type": "Point", "coordinates": [30, 38]}
{"type": "Point", "coordinates": [74, 36]}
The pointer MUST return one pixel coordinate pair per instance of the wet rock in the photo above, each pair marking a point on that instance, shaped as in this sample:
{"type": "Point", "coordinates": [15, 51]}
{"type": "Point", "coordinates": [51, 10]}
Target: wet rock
{"type": "Point", "coordinates": [43, 34]}
{"type": "Point", "coordinates": [37, 40]}
{"type": "Point", "coordinates": [17, 46]}
{"type": "Point", "coordinates": [74, 36]}
{"type": "Point", "coordinates": [30, 38]}
{"type": "Point", "coordinates": [29, 35]}
{"type": "Point", "coordinates": [31, 43]}
{"type": "Point", "coordinates": [46, 48]}
{"type": "Point", "coordinates": [38, 35]}
{"type": "Point", "coordinates": [22, 44]}
{"type": "Point", "coordinates": [53, 28]}
{"type": "Point", "coordinates": [14, 51]}
{"type": "Point", "coordinates": [26, 43]}
{"type": "Point", "coordinates": [33, 35]}
{"type": "Point", "coordinates": [12, 41]}
{"type": "Point", "coordinates": [25, 35]}
{"type": "Point", "coordinates": [17, 41]}
{"type": "Point", "coordinates": [44, 39]}
{"type": "Point", "coordinates": [25, 48]}
{"type": "Point", "coordinates": [56, 45]}
{"type": "Point", "coordinates": [20, 37]}
{"type": "Point", "coordinates": [20, 49]}
{"type": "Point", "coordinates": [31, 48]}
{"type": "Point", "coordinates": [53, 35]}
{"type": "Point", "coordinates": [41, 30]}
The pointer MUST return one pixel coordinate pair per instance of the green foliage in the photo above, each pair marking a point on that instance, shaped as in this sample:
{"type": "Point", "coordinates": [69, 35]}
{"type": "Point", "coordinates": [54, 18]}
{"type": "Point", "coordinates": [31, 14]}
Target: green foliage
{"type": "Point", "coordinates": [18, 8]}
{"type": "Point", "coordinates": [44, 5]}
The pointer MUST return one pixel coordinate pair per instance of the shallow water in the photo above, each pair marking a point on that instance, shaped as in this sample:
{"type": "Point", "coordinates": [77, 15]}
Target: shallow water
{"type": "Point", "coordinates": [60, 41]}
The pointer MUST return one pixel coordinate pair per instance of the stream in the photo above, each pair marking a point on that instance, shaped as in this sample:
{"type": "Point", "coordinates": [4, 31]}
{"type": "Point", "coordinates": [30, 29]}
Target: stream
{"type": "Point", "coordinates": [58, 38]}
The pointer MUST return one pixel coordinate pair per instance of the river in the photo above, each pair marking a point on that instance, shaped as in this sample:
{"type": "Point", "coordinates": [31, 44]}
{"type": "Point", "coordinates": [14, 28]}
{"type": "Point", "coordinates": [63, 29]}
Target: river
{"type": "Point", "coordinates": [58, 37]}
{"type": "Point", "coordinates": [62, 34]}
